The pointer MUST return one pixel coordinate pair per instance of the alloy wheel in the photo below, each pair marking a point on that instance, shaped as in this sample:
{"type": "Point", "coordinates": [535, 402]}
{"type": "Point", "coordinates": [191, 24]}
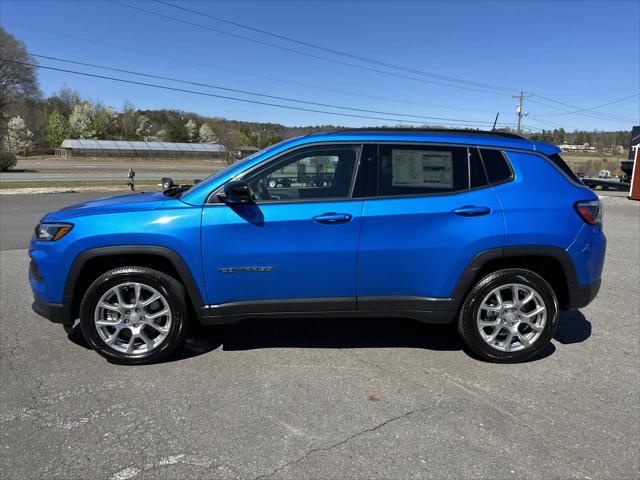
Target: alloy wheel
{"type": "Point", "coordinates": [511, 317]}
{"type": "Point", "coordinates": [133, 318]}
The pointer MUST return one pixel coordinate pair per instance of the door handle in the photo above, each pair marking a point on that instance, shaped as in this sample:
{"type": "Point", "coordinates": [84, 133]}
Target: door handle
{"type": "Point", "coordinates": [472, 211]}
{"type": "Point", "coordinates": [333, 218]}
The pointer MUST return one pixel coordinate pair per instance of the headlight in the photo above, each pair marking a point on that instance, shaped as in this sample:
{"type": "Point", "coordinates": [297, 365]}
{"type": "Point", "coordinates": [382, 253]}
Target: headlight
{"type": "Point", "coordinates": [50, 232]}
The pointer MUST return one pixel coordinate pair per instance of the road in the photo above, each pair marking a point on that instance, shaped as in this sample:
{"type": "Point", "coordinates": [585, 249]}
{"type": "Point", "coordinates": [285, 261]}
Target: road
{"type": "Point", "coordinates": [19, 214]}
{"type": "Point", "coordinates": [330, 398]}
{"type": "Point", "coordinates": [121, 175]}
{"type": "Point", "coordinates": [85, 170]}
{"type": "Point", "coordinates": [122, 165]}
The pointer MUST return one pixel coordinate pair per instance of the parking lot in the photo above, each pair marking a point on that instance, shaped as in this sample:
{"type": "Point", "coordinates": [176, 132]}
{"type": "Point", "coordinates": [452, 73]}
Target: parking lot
{"type": "Point", "coordinates": [328, 398]}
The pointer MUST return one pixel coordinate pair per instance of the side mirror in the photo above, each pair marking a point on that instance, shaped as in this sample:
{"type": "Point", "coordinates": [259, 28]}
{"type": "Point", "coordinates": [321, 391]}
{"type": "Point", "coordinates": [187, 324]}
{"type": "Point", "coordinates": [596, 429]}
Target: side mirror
{"type": "Point", "coordinates": [237, 192]}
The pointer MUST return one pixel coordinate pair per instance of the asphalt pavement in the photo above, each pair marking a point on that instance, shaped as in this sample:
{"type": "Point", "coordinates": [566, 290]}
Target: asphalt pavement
{"type": "Point", "coordinates": [87, 170]}
{"type": "Point", "coordinates": [120, 175]}
{"type": "Point", "coordinates": [333, 398]}
{"type": "Point", "coordinates": [19, 214]}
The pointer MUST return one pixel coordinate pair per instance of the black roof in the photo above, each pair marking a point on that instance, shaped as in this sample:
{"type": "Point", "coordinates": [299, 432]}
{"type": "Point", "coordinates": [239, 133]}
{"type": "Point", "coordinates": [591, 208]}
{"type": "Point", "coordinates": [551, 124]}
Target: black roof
{"type": "Point", "coordinates": [428, 130]}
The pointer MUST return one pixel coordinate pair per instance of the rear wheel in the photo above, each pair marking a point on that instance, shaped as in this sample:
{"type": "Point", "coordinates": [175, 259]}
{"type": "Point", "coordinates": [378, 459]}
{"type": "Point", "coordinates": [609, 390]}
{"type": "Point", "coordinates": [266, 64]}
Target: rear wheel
{"type": "Point", "coordinates": [134, 315]}
{"type": "Point", "coordinates": [509, 316]}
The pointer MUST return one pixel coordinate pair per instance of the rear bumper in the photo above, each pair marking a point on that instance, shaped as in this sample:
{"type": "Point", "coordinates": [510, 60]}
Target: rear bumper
{"type": "Point", "coordinates": [582, 295]}
{"type": "Point", "coordinates": [53, 312]}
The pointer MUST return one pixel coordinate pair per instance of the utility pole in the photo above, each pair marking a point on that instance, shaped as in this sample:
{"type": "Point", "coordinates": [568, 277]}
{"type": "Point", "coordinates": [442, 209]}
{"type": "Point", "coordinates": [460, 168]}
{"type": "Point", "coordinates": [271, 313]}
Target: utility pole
{"type": "Point", "coordinates": [521, 114]}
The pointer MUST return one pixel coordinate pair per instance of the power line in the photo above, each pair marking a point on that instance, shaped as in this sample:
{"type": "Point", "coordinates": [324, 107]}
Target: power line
{"type": "Point", "coordinates": [250, 74]}
{"type": "Point", "coordinates": [542, 122]}
{"type": "Point", "coordinates": [567, 108]}
{"type": "Point", "coordinates": [484, 87]}
{"type": "Point", "coordinates": [300, 52]}
{"type": "Point", "coordinates": [593, 108]}
{"type": "Point", "coordinates": [225, 97]}
{"type": "Point", "coordinates": [334, 51]}
{"type": "Point", "coordinates": [247, 92]}
{"type": "Point", "coordinates": [615, 119]}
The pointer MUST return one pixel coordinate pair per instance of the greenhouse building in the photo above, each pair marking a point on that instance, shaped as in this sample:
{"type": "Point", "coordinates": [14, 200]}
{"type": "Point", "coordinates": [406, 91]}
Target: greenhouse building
{"type": "Point", "coordinates": [124, 148]}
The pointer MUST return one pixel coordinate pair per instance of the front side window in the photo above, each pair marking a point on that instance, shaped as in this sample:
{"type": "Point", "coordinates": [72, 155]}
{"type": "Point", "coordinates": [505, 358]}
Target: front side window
{"type": "Point", "coordinates": [421, 170]}
{"type": "Point", "coordinates": [313, 174]}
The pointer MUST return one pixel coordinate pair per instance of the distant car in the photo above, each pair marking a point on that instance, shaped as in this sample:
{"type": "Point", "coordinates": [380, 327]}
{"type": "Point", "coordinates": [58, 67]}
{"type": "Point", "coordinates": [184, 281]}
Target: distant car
{"type": "Point", "coordinates": [488, 231]}
{"type": "Point", "coordinates": [604, 174]}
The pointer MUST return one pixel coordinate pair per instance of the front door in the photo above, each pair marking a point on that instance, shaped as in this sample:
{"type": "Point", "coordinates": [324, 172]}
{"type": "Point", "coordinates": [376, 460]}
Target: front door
{"type": "Point", "coordinates": [294, 249]}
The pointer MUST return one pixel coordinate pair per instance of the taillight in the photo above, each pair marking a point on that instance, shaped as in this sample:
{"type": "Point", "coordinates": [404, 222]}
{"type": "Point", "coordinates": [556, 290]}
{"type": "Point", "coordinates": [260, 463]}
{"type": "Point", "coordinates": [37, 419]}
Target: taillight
{"type": "Point", "coordinates": [590, 211]}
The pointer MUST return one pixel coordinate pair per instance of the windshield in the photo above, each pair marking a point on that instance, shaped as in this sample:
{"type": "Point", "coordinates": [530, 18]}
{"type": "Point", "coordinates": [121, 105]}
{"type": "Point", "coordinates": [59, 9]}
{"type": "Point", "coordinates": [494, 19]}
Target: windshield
{"type": "Point", "coordinates": [232, 166]}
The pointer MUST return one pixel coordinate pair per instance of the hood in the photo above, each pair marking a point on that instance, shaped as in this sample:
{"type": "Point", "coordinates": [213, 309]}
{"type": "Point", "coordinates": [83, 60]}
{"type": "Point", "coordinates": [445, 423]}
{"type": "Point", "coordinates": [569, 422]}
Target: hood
{"type": "Point", "coordinates": [122, 203]}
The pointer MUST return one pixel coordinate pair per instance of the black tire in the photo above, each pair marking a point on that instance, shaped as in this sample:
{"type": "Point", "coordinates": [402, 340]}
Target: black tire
{"type": "Point", "coordinates": [468, 327]}
{"type": "Point", "coordinates": [166, 285]}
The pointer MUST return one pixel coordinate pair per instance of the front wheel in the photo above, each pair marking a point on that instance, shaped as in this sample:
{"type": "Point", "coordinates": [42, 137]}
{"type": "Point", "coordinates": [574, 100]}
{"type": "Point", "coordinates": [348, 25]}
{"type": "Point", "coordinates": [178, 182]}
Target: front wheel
{"type": "Point", "coordinates": [134, 315]}
{"type": "Point", "coordinates": [509, 316]}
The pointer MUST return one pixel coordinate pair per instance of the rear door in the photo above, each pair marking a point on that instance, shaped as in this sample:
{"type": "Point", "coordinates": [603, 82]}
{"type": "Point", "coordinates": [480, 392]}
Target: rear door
{"type": "Point", "coordinates": [427, 213]}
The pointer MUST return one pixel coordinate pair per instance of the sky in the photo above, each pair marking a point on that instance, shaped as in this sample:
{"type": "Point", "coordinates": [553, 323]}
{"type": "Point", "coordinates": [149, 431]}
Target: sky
{"type": "Point", "coordinates": [582, 54]}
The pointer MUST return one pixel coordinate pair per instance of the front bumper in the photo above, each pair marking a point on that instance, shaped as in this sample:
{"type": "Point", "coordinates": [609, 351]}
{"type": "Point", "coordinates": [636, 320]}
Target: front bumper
{"type": "Point", "coordinates": [582, 295]}
{"type": "Point", "coordinates": [54, 312]}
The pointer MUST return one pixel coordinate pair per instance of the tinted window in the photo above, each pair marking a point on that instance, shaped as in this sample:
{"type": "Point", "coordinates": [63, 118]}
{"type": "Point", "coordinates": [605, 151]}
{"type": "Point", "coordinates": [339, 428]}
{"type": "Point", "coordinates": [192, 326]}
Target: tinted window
{"type": "Point", "coordinates": [315, 173]}
{"type": "Point", "coordinates": [367, 180]}
{"type": "Point", "coordinates": [496, 165]}
{"type": "Point", "coordinates": [422, 169]}
{"type": "Point", "coordinates": [477, 175]}
{"type": "Point", "coordinates": [562, 165]}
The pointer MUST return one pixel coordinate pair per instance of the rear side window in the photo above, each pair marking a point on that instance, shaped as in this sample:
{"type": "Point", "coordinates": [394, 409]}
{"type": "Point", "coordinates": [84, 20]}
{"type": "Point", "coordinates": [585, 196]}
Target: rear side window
{"type": "Point", "coordinates": [477, 175]}
{"type": "Point", "coordinates": [562, 165]}
{"type": "Point", "coordinates": [496, 165]}
{"type": "Point", "coordinates": [422, 169]}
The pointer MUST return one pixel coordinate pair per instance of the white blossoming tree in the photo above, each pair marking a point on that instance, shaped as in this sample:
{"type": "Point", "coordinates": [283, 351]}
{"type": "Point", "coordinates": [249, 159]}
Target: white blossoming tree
{"type": "Point", "coordinates": [207, 135]}
{"type": "Point", "coordinates": [81, 121]}
{"type": "Point", "coordinates": [19, 138]}
{"type": "Point", "coordinates": [145, 128]}
{"type": "Point", "coordinates": [192, 131]}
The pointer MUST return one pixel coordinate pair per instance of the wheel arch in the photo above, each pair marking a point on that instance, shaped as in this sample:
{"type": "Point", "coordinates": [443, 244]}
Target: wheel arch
{"type": "Point", "coordinates": [92, 263]}
{"type": "Point", "coordinates": [552, 263]}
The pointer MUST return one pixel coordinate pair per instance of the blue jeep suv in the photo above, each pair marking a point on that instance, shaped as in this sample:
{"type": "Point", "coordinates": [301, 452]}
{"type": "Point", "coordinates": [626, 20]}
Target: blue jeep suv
{"type": "Point", "coordinates": [487, 231]}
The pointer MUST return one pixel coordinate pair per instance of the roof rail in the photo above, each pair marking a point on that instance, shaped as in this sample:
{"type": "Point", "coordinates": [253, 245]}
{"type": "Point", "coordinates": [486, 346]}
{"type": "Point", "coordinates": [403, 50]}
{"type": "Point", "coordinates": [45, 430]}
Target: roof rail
{"type": "Point", "coordinates": [425, 130]}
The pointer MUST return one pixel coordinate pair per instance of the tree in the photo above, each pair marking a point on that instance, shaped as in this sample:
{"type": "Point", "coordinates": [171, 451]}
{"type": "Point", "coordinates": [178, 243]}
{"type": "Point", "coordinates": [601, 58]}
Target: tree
{"type": "Point", "coordinates": [145, 128]}
{"type": "Point", "coordinates": [63, 101]}
{"type": "Point", "coordinates": [192, 131]}
{"type": "Point", "coordinates": [207, 135]}
{"type": "Point", "coordinates": [105, 123]}
{"type": "Point", "coordinates": [19, 137]}
{"type": "Point", "coordinates": [16, 79]}
{"type": "Point", "coordinates": [177, 132]}
{"type": "Point", "coordinates": [129, 122]}
{"type": "Point", "coordinates": [81, 121]}
{"type": "Point", "coordinates": [56, 130]}
{"type": "Point", "coordinates": [243, 139]}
